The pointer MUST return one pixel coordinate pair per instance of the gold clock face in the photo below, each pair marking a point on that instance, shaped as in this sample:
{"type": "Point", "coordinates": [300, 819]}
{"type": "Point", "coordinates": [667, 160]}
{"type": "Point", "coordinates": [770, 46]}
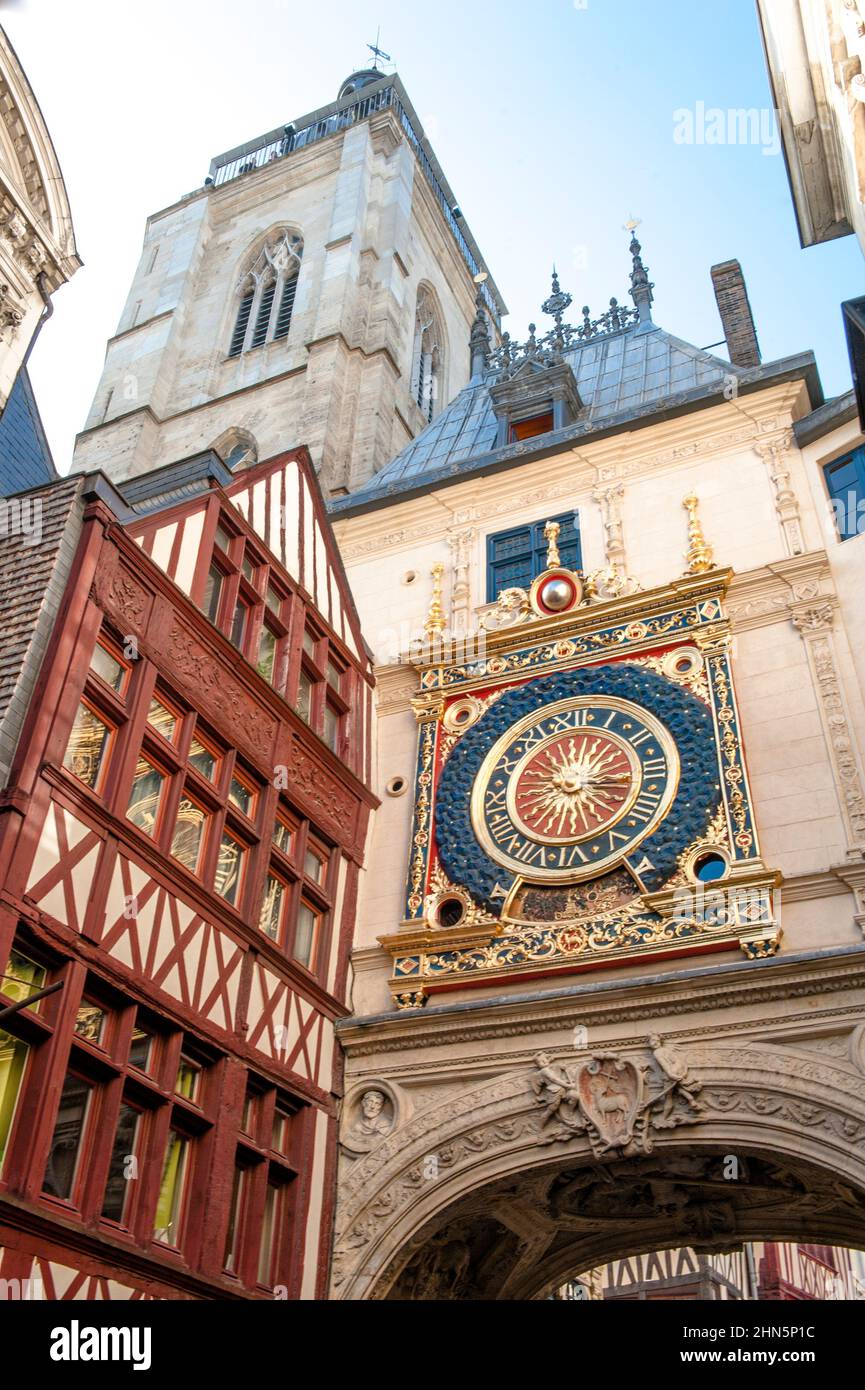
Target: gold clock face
{"type": "Point", "coordinates": [574, 787]}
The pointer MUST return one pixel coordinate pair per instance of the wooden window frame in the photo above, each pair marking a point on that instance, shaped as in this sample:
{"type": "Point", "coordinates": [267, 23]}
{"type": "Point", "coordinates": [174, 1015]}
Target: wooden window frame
{"type": "Point", "coordinates": [262, 1164]}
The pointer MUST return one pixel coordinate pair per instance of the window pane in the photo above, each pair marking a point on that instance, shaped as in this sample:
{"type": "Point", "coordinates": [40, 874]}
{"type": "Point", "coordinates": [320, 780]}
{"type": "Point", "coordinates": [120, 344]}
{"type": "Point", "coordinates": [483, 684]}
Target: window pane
{"type": "Point", "coordinates": [122, 1170]}
{"type": "Point", "coordinates": [232, 1238]}
{"type": "Point", "coordinates": [166, 1226]}
{"type": "Point", "coordinates": [141, 1049]}
{"type": "Point", "coordinates": [90, 1022]}
{"type": "Point", "coordinates": [269, 1230]}
{"type": "Point", "coordinates": [304, 937]}
{"type": "Point", "coordinates": [242, 796]}
{"type": "Point", "coordinates": [203, 760]}
{"type": "Point", "coordinates": [222, 538]}
{"type": "Point", "coordinates": [66, 1141]}
{"type": "Point", "coordinates": [27, 977]}
{"type": "Point", "coordinates": [273, 600]}
{"type": "Point", "coordinates": [266, 653]}
{"type": "Point", "coordinates": [188, 835]}
{"type": "Point", "coordinates": [304, 696]}
{"type": "Point", "coordinates": [212, 594]}
{"type": "Point", "coordinates": [162, 720]}
{"type": "Point", "coordinates": [248, 568]}
{"type": "Point", "coordinates": [238, 623]}
{"type": "Point", "coordinates": [281, 1132]}
{"type": "Point", "coordinates": [309, 643]}
{"type": "Point", "coordinates": [315, 865]}
{"type": "Point", "coordinates": [145, 796]}
{"type": "Point", "coordinates": [13, 1058]}
{"type": "Point", "coordinates": [188, 1077]}
{"type": "Point", "coordinates": [250, 1111]}
{"type": "Point", "coordinates": [108, 667]}
{"type": "Point", "coordinates": [334, 675]}
{"type": "Point", "coordinates": [330, 733]}
{"type": "Point", "coordinates": [271, 908]}
{"type": "Point", "coordinates": [283, 836]}
{"type": "Point", "coordinates": [229, 868]}
{"type": "Point", "coordinates": [87, 746]}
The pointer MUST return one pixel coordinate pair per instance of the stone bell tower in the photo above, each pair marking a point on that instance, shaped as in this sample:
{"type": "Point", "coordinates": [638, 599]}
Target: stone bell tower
{"type": "Point", "coordinates": [319, 288]}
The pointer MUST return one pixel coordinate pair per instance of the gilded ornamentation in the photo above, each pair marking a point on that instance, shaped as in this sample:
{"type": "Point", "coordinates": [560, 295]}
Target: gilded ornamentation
{"type": "Point", "coordinates": [435, 622]}
{"type": "Point", "coordinates": [420, 828]}
{"type": "Point", "coordinates": [699, 556]}
{"type": "Point", "coordinates": [551, 535]}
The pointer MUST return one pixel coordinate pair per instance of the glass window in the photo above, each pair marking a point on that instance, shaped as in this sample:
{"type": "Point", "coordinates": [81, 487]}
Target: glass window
{"type": "Point", "coordinates": [845, 480]}
{"type": "Point", "coordinates": [141, 1048]}
{"type": "Point", "coordinates": [229, 868]}
{"type": "Point", "coordinates": [212, 593]}
{"type": "Point", "coordinates": [203, 760]}
{"type": "Point", "coordinates": [188, 837]}
{"type": "Point", "coordinates": [248, 568]}
{"type": "Point", "coordinates": [334, 675]}
{"type": "Point", "coordinates": [242, 796]}
{"type": "Point", "coordinates": [88, 744]}
{"type": "Point", "coordinates": [275, 895]}
{"type": "Point", "coordinates": [90, 1022]}
{"type": "Point", "coordinates": [146, 794]}
{"type": "Point", "coordinates": [66, 1144]}
{"type": "Point", "coordinates": [122, 1170]}
{"type": "Point", "coordinates": [238, 623]}
{"type": "Point", "coordinates": [162, 719]}
{"type": "Point", "coordinates": [232, 1238]}
{"type": "Point", "coordinates": [223, 540]}
{"type": "Point", "coordinates": [21, 977]}
{"type": "Point", "coordinates": [108, 668]}
{"type": "Point", "coordinates": [305, 936]}
{"type": "Point", "coordinates": [315, 864]}
{"type": "Point", "coordinates": [13, 1059]}
{"type": "Point", "coordinates": [189, 1074]}
{"type": "Point", "coordinates": [283, 835]}
{"type": "Point", "coordinates": [169, 1207]}
{"type": "Point", "coordinates": [517, 556]}
{"type": "Point", "coordinates": [309, 643]}
{"type": "Point", "coordinates": [266, 653]}
{"type": "Point", "coordinates": [304, 696]}
{"type": "Point", "coordinates": [273, 600]}
{"type": "Point", "coordinates": [269, 1233]}
{"type": "Point", "coordinates": [281, 1135]}
{"type": "Point", "coordinates": [330, 732]}
{"type": "Point", "coordinates": [250, 1111]}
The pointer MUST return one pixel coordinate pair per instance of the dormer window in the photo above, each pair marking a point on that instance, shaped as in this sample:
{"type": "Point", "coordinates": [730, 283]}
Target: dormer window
{"type": "Point", "coordinates": [535, 424]}
{"type": "Point", "coordinates": [266, 294]}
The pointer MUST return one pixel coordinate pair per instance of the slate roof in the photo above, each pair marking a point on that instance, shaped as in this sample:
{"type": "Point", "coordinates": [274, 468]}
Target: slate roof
{"type": "Point", "coordinates": [34, 566]}
{"type": "Point", "coordinates": [622, 378]}
{"type": "Point", "coordinates": [25, 456]}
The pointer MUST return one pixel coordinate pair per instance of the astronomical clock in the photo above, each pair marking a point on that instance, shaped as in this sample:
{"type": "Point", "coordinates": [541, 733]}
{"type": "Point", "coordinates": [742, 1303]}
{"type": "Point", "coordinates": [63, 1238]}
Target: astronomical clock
{"type": "Point", "coordinates": [581, 796]}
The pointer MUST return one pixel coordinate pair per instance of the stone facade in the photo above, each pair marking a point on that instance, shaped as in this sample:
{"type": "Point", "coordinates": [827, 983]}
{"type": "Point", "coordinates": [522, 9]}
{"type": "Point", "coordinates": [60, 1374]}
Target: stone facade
{"type": "Point", "coordinates": [37, 244]}
{"type": "Point", "coordinates": [815, 53]}
{"type": "Point", "coordinates": [374, 238]}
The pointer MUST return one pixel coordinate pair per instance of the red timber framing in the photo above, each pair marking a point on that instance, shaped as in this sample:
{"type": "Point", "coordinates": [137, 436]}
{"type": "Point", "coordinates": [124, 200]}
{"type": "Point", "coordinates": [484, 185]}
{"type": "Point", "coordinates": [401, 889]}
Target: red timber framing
{"type": "Point", "coordinates": [179, 850]}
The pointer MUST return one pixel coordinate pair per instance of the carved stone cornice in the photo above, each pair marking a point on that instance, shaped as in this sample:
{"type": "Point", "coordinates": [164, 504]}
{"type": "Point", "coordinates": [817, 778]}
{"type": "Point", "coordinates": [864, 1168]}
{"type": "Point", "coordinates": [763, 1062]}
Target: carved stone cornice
{"type": "Point", "coordinates": [761, 597]}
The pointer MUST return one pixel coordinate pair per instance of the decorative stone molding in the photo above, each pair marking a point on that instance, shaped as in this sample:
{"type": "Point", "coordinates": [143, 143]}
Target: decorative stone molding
{"type": "Point", "coordinates": [610, 500]}
{"type": "Point", "coordinates": [761, 597]}
{"type": "Point", "coordinates": [774, 453]}
{"type": "Point", "coordinates": [813, 621]}
{"type": "Point", "coordinates": [461, 543]}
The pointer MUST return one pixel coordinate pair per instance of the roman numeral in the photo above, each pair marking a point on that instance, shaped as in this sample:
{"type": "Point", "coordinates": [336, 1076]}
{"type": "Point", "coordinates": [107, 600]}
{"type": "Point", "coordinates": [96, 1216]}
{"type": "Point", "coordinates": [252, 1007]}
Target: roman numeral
{"type": "Point", "coordinates": [496, 801]}
{"type": "Point", "coordinates": [640, 738]}
{"type": "Point", "coordinates": [654, 767]}
{"type": "Point", "coordinates": [645, 807]}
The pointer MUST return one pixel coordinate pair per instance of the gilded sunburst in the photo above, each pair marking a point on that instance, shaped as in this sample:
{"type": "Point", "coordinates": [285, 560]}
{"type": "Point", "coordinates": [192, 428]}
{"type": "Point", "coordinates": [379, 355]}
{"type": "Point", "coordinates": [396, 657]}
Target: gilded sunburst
{"type": "Point", "coordinates": [574, 786]}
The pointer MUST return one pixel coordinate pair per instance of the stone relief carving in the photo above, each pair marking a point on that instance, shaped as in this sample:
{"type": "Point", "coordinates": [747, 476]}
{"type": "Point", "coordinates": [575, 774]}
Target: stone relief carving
{"type": "Point", "coordinates": [616, 1101]}
{"type": "Point", "coordinates": [372, 1117]}
{"type": "Point", "coordinates": [774, 453]}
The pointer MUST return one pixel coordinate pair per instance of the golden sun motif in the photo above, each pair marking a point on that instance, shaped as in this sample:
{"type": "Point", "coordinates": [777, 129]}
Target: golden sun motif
{"type": "Point", "coordinates": [574, 787]}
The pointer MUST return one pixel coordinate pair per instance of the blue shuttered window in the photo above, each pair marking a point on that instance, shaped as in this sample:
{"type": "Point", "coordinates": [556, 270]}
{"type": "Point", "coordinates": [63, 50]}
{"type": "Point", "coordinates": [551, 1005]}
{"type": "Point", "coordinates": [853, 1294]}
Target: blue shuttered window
{"type": "Point", "coordinates": [516, 557]}
{"type": "Point", "coordinates": [845, 481]}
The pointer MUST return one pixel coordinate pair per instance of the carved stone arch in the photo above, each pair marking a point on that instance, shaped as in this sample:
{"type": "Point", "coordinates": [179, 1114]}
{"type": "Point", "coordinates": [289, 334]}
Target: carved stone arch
{"type": "Point", "coordinates": [428, 353]}
{"type": "Point", "coordinates": [279, 248]}
{"type": "Point", "coordinates": [486, 1155]}
{"type": "Point", "coordinates": [236, 447]}
{"type": "Point", "coordinates": [36, 188]}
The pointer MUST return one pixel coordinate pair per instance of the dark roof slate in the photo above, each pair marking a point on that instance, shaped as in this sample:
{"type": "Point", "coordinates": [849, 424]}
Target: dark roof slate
{"type": "Point", "coordinates": [25, 456]}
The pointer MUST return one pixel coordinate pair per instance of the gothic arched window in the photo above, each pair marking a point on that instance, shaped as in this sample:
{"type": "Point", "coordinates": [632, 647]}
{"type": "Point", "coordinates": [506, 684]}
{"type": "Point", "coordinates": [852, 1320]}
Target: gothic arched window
{"type": "Point", "coordinates": [427, 355]}
{"type": "Point", "coordinates": [266, 293]}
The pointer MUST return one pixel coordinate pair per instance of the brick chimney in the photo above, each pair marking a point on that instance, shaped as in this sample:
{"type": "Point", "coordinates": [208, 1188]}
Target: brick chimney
{"type": "Point", "coordinates": [731, 296]}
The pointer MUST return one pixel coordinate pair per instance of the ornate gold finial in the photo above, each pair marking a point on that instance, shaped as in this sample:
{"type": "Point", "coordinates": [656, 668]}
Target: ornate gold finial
{"type": "Point", "coordinates": [700, 555]}
{"type": "Point", "coordinates": [551, 535]}
{"type": "Point", "coordinates": [436, 619]}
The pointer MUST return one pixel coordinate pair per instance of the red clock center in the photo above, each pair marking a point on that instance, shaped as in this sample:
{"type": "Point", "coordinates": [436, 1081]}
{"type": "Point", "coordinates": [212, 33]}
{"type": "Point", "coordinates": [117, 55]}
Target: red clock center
{"type": "Point", "coordinates": [573, 787]}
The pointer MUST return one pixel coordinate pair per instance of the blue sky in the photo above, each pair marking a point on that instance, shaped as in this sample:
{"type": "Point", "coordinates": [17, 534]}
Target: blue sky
{"type": "Point", "coordinates": [553, 122]}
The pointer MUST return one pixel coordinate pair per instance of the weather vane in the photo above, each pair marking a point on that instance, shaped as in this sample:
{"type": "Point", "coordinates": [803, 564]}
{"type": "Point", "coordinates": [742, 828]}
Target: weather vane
{"type": "Point", "coordinates": [376, 51]}
{"type": "Point", "coordinates": [632, 224]}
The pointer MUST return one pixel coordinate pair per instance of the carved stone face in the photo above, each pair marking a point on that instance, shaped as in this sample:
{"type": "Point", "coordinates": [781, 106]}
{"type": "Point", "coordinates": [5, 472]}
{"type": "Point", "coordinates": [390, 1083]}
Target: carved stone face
{"type": "Point", "coordinates": [372, 1104]}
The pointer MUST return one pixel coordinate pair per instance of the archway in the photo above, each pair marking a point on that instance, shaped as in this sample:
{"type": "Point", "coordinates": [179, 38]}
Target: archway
{"type": "Point", "coordinates": [506, 1190]}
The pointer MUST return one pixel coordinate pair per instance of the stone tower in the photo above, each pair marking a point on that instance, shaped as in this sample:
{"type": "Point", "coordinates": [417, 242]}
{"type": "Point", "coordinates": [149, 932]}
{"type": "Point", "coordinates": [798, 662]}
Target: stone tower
{"type": "Point", "coordinates": [319, 289]}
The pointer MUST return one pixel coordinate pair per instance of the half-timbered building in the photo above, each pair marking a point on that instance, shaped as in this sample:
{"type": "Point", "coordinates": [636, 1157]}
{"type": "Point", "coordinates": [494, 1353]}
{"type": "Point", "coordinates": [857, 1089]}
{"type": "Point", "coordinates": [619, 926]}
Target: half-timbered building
{"type": "Point", "coordinates": [180, 837]}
